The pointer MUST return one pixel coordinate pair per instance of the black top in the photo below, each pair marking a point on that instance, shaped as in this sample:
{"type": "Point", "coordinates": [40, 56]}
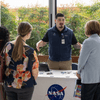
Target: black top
{"type": "Point", "coordinates": [45, 38]}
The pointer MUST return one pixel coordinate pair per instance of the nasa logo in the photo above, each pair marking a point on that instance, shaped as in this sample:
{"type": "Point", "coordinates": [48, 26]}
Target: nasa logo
{"type": "Point", "coordinates": [56, 92]}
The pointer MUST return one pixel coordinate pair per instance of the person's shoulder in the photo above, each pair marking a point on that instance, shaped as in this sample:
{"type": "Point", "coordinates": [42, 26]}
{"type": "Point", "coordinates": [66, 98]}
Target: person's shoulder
{"type": "Point", "coordinates": [88, 41]}
{"type": "Point", "coordinates": [8, 45]}
{"type": "Point", "coordinates": [12, 42]}
{"type": "Point", "coordinates": [52, 28]}
{"type": "Point", "coordinates": [49, 31]}
{"type": "Point", "coordinates": [29, 49]}
{"type": "Point", "coordinates": [68, 29]}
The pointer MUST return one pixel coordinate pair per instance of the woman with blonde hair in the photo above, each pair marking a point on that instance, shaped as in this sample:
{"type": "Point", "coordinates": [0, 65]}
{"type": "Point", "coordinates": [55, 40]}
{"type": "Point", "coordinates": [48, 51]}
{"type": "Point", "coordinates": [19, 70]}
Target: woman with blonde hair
{"type": "Point", "coordinates": [89, 62]}
{"type": "Point", "coordinates": [21, 65]}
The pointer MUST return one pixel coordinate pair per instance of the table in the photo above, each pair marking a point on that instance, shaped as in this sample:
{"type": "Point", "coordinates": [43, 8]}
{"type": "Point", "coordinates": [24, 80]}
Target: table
{"type": "Point", "coordinates": [61, 77]}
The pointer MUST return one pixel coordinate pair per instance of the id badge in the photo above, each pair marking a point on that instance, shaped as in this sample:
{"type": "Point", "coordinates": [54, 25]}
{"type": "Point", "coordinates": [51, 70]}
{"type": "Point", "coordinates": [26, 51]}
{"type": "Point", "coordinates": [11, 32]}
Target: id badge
{"type": "Point", "coordinates": [62, 41]}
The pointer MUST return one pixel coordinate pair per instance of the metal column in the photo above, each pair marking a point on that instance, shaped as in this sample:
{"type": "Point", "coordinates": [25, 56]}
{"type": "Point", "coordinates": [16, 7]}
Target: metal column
{"type": "Point", "coordinates": [52, 12]}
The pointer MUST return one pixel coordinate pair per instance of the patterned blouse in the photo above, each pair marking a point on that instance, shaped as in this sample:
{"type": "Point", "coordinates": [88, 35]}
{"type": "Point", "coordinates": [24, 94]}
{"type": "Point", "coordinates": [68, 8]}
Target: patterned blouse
{"type": "Point", "coordinates": [19, 74]}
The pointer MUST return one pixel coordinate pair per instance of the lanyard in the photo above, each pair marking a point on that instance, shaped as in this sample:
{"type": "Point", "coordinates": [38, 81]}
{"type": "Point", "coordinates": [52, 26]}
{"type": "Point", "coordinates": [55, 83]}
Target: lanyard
{"type": "Point", "coordinates": [62, 35]}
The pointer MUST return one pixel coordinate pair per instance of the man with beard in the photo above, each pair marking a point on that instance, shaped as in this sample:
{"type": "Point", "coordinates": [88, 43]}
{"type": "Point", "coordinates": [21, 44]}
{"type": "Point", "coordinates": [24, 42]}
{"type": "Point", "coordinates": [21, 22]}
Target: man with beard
{"type": "Point", "coordinates": [60, 39]}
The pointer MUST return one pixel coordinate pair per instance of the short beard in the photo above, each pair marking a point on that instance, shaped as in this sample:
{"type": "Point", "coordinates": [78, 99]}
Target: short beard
{"type": "Point", "coordinates": [61, 27]}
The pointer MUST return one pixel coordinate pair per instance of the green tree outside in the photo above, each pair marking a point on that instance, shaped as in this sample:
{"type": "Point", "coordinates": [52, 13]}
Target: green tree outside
{"type": "Point", "coordinates": [76, 18]}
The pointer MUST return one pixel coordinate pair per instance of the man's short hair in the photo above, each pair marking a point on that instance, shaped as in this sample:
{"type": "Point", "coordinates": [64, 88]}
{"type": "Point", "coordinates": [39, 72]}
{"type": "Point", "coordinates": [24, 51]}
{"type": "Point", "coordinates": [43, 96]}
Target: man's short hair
{"type": "Point", "coordinates": [59, 15]}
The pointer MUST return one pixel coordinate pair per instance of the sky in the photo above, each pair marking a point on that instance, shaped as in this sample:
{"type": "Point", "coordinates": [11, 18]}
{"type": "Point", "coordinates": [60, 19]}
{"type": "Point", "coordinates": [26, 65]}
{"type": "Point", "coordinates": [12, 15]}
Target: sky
{"type": "Point", "coordinates": [25, 3]}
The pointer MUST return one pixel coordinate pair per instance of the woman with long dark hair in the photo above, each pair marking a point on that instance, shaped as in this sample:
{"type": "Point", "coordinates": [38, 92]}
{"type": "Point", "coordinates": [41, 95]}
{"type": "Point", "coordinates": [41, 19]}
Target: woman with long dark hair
{"type": "Point", "coordinates": [4, 38]}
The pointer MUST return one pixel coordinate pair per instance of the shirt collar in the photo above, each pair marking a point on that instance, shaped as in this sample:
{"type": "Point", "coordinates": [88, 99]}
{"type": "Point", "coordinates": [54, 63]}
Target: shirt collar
{"type": "Point", "coordinates": [60, 31]}
{"type": "Point", "coordinates": [94, 35]}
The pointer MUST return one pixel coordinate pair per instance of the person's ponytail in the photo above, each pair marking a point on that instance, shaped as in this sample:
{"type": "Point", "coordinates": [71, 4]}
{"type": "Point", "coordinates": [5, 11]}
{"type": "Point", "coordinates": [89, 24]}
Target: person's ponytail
{"type": "Point", "coordinates": [23, 29]}
{"type": "Point", "coordinates": [17, 52]}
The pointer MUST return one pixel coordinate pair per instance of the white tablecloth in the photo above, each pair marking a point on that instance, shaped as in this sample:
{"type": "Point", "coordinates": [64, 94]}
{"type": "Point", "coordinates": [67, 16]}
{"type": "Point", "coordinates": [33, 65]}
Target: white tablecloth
{"type": "Point", "coordinates": [61, 77]}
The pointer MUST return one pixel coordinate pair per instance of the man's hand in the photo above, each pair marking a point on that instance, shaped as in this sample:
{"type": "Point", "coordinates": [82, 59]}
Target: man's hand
{"type": "Point", "coordinates": [78, 75]}
{"type": "Point", "coordinates": [37, 46]}
{"type": "Point", "coordinates": [78, 46]}
{"type": "Point", "coordinates": [40, 44]}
